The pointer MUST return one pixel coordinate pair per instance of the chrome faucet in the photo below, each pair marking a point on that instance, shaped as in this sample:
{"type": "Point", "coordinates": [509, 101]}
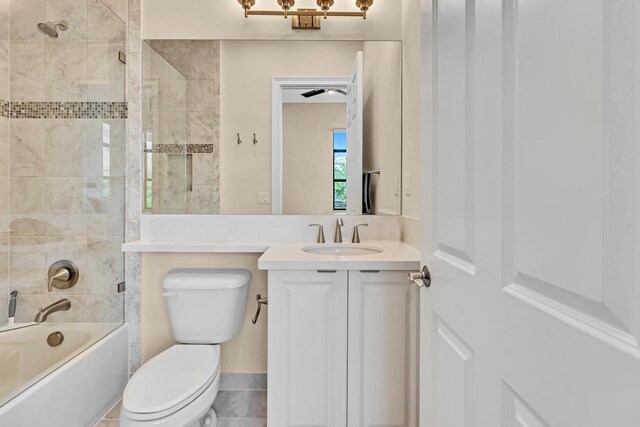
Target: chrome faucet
{"type": "Point", "coordinates": [62, 305]}
{"type": "Point", "coordinates": [337, 237]}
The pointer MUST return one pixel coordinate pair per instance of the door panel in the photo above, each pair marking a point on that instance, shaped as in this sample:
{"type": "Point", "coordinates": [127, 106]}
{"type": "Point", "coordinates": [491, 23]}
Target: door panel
{"type": "Point", "coordinates": [565, 245]}
{"type": "Point", "coordinates": [454, 378]}
{"type": "Point", "coordinates": [516, 413]}
{"type": "Point", "coordinates": [455, 182]}
{"type": "Point", "coordinates": [532, 169]}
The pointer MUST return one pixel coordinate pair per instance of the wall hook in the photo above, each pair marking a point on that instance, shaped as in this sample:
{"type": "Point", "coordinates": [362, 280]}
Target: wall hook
{"type": "Point", "coordinates": [255, 141]}
{"type": "Point", "coordinates": [239, 140]}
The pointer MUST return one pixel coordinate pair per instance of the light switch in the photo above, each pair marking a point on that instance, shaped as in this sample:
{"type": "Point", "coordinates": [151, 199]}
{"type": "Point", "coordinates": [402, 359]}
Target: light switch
{"type": "Point", "coordinates": [397, 185]}
{"type": "Point", "coordinates": [407, 184]}
{"type": "Point", "coordinates": [263, 198]}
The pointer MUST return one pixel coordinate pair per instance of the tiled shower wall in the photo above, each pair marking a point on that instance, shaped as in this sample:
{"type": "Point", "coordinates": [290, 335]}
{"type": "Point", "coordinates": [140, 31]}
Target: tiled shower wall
{"type": "Point", "coordinates": [5, 182]}
{"type": "Point", "coordinates": [133, 205]}
{"type": "Point", "coordinates": [63, 156]}
{"type": "Point", "coordinates": [165, 119]}
{"type": "Point", "coordinates": [188, 111]}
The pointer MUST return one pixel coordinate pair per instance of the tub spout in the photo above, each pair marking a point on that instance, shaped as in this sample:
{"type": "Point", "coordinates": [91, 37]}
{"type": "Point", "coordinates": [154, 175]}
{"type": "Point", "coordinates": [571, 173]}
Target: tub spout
{"type": "Point", "coordinates": [62, 305]}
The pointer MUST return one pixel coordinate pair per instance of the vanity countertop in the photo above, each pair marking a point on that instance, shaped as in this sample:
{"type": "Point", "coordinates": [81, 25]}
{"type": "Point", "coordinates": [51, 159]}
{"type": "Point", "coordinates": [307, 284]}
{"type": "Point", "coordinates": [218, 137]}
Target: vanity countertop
{"type": "Point", "coordinates": [290, 256]}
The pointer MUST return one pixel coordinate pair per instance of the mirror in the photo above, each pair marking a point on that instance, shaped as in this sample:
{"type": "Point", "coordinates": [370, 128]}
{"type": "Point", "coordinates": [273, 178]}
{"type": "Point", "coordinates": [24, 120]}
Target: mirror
{"type": "Point", "coordinates": [272, 127]}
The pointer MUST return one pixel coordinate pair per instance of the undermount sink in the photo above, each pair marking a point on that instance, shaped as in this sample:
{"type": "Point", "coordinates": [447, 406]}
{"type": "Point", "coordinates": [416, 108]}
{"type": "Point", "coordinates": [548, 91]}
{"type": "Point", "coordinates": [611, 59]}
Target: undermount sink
{"type": "Point", "coordinates": [342, 250]}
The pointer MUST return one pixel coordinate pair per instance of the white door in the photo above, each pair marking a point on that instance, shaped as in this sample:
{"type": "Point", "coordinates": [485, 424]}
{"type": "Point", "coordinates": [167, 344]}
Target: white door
{"type": "Point", "coordinates": [531, 213]}
{"type": "Point", "coordinates": [355, 108]}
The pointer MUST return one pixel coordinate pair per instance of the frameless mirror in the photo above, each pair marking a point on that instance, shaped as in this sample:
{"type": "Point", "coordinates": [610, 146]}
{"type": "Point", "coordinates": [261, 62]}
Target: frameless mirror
{"type": "Point", "coordinates": [272, 127]}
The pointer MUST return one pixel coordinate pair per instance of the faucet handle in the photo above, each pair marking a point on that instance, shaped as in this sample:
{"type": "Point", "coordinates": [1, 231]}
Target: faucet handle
{"type": "Point", "coordinates": [356, 234]}
{"type": "Point", "coordinates": [320, 238]}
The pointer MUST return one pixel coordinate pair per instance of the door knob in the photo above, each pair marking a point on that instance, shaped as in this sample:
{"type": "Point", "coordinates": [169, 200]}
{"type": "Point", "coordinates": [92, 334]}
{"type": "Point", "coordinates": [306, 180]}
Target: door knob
{"type": "Point", "coordinates": [421, 278]}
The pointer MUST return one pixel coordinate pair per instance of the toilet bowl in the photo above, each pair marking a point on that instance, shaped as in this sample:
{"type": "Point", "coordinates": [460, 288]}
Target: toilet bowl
{"type": "Point", "coordinates": [178, 386]}
{"type": "Point", "coordinates": [175, 388]}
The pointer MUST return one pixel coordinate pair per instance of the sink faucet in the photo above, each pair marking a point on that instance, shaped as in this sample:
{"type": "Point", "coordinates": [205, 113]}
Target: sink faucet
{"type": "Point", "coordinates": [337, 237]}
{"type": "Point", "coordinates": [62, 305]}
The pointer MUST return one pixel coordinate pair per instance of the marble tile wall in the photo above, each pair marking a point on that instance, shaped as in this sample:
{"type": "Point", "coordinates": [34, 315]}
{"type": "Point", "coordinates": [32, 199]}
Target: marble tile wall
{"type": "Point", "coordinates": [165, 119]}
{"type": "Point", "coordinates": [196, 179]}
{"type": "Point", "coordinates": [133, 205]}
{"type": "Point", "coordinates": [65, 175]}
{"type": "Point", "coordinates": [5, 180]}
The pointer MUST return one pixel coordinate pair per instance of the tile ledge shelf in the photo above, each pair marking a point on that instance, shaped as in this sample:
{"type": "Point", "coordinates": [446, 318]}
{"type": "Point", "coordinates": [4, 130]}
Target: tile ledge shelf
{"type": "Point", "coordinates": [194, 247]}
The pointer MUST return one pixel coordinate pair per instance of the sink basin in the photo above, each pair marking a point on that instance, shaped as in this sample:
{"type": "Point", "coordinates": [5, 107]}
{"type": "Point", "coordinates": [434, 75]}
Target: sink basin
{"type": "Point", "coordinates": [342, 250]}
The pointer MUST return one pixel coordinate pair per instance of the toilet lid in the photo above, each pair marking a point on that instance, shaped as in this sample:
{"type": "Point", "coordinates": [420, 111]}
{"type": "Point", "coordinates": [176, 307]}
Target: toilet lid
{"type": "Point", "coordinates": [171, 379]}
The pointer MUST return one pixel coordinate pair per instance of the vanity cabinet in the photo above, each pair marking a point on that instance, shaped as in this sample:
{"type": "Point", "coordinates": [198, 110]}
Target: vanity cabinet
{"type": "Point", "coordinates": [307, 352]}
{"type": "Point", "coordinates": [343, 349]}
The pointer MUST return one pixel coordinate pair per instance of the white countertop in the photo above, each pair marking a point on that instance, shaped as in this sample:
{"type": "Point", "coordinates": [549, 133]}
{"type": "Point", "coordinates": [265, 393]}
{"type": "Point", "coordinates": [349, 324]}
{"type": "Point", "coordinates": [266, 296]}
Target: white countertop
{"type": "Point", "coordinates": [289, 256]}
{"type": "Point", "coordinates": [195, 247]}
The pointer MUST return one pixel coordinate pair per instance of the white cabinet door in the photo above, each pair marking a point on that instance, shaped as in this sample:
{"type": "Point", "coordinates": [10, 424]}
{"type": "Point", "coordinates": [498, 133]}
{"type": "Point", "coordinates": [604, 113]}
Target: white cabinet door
{"type": "Point", "coordinates": [307, 349]}
{"type": "Point", "coordinates": [383, 338]}
{"type": "Point", "coordinates": [531, 213]}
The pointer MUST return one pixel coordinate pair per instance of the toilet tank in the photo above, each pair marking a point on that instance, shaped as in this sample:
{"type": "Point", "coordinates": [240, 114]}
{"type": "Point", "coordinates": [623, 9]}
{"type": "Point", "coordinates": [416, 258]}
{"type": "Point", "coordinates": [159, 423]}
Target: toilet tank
{"type": "Point", "coordinates": [206, 306]}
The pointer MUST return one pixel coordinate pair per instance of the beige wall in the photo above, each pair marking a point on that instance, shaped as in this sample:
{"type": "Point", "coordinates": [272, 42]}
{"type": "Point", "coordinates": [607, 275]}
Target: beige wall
{"type": "Point", "coordinates": [411, 127]}
{"type": "Point", "coordinates": [382, 138]}
{"type": "Point", "coordinates": [247, 352]}
{"type": "Point", "coordinates": [247, 70]}
{"type": "Point", "coordinates": [224, 19]}
{"type": "Point", "coordinates": [308, 156]}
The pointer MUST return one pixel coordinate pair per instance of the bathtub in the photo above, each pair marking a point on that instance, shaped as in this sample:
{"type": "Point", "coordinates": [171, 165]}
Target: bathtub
{"type": "Point", "coordinates": [73, 384]}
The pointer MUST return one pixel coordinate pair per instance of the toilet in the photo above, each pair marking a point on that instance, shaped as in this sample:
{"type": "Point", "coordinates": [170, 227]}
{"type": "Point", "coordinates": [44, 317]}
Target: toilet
{"type": "Point", "coordinates": [178, 386]}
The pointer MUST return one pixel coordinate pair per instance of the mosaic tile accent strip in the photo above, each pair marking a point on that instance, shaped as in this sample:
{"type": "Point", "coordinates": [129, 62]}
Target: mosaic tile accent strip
{"type": "Point", "coordinates": [181, 149]}
{"type": "Point", "coordinates": [64, 110]}
{"type": "Point", "coordinates": [5, 108]}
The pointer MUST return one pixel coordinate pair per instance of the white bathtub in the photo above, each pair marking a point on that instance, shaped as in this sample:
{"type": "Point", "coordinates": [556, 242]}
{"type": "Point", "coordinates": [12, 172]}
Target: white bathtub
{"type": "Point", "coordinates": [73, 384]}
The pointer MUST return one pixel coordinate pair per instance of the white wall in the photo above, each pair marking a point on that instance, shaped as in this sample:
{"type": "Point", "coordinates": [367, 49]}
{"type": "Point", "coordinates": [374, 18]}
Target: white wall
{"type": "Point", "coordinates": [247, 70]}
{"type": "Point", "coordinates": [224, 19]}
{"type": "Point", "coordinates": [411, 126]}
{"type": "Point", "coordinates": [383, 122]}
{"type": "Point", "coordinates": [308, 156]}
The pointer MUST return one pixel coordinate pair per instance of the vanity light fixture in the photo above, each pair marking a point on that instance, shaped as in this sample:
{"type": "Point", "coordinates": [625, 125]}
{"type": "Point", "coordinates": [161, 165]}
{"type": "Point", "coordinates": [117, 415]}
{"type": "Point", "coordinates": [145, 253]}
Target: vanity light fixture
{"type": "Point", "coordinates": [287, 5]}
{"type": "Point", "coordinates": [325, 5]}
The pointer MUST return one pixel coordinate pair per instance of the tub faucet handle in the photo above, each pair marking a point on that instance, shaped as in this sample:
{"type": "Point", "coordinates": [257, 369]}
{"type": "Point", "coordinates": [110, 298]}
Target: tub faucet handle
{"type": "Point", "coordinates": [62, 274]}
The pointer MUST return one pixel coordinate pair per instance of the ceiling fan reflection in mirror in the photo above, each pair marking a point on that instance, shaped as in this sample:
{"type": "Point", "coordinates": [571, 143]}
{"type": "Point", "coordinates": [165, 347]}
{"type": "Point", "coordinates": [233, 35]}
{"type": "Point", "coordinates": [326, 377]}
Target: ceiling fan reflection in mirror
{"type": "Point", "coordinates": [316, 92]}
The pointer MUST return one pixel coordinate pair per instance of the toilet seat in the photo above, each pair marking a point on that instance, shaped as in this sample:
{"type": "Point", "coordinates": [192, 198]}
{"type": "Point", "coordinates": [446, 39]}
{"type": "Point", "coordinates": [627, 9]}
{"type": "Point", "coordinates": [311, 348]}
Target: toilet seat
{"type": "Point", "coordinates": [170, 381]}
